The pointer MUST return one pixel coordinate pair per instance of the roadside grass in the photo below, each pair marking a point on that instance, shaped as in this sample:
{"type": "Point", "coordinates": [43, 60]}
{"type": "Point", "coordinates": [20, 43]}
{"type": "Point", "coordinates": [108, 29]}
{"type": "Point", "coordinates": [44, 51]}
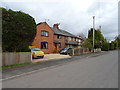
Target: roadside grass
{"type": "Point", "coordinates": [15, 65]}
{"type": "Point", "coordinates": [23, 64]}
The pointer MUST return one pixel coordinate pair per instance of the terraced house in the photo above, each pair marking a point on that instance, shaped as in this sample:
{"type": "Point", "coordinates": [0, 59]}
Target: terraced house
{"type": "Point", "coordinates": [52, 39]}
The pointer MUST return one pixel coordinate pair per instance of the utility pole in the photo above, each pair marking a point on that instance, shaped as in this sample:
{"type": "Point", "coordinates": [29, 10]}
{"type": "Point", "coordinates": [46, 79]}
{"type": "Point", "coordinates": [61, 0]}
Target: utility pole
{"type": "Point", "coordinates": [93, 31]}
{"type": "Point", "coordinates": [100, 27]}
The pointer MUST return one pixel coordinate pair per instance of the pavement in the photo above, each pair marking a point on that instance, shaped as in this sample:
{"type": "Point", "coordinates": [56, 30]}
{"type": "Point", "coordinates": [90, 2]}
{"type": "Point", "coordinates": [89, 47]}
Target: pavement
{"type": "Point", "coordinates": [43, 64]}
{"type": "Point", "coordinates": [94, 71]}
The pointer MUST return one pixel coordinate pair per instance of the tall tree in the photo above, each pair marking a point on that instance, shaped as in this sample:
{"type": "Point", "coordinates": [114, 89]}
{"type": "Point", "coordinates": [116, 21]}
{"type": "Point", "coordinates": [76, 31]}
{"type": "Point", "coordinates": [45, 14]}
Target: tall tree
{"type": "Point", "coordinates": [99, 38]}
{"type": "Point", "coordinates": [18, 30]}
{"type": "Point", "coordinates": [112, 45]}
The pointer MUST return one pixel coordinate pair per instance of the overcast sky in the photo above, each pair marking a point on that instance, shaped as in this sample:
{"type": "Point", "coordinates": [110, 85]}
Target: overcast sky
{"type": "Point", "coordinates": [74, 16]}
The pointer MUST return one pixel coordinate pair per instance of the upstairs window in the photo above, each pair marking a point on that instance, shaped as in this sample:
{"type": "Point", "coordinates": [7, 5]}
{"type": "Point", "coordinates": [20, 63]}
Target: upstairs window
{"type": "Point", "coordinates": [44, 33]}
{"type": "Point", "coordinates": [59, 37]}
{"type": "Point", "coordinates": [73, 39]}
{"type": "Point", "coordinates": [69, 38]}
{"type": "Point", "coordinates": [66, 38]}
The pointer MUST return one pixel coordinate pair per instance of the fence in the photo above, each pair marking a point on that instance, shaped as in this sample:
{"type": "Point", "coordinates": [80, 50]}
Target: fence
{"type": "Point", "coordinates": [78, 51]}
{"type": "Point", "coordinates": [15, 58]}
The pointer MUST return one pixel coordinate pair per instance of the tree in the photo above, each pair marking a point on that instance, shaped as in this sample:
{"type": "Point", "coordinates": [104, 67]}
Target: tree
{"type": "Point", "coordinates": [86, 44]}
{"type": "Point", "coordinates": [117, 41]}
{"type": "Point", "coordinates": [111, 46]}
{"type": "Point", "coordinates": [98, 40]}
{"type": "Point", "coordinates": [105, 46]}
{"type": "Point", "coordinates": [18, 30]}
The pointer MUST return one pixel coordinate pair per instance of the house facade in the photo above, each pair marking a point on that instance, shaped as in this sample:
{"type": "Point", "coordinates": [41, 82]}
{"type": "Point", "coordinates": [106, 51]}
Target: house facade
{"type": "Point", "coordinates": [52, 39]}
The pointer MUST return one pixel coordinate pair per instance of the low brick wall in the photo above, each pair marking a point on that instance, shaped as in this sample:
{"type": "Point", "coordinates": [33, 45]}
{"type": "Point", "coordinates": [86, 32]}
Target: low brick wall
{"type": "Point", "coordinates": [78, 51]}
{"type": "Point", "coordinates": [10, 58]}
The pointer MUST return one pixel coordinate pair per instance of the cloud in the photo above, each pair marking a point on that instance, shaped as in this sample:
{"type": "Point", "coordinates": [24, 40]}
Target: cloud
{"type": "Point", "coordinates": [107, 16]}
{"type": "Point", "coordinates": [74, 16]}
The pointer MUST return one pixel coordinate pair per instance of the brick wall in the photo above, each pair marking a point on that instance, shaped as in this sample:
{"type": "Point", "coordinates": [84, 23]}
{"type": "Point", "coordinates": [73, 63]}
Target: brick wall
{"type": "Point", "coordinates": [38, 38]}
{"type": "Point", "coordinates": [62, 40]}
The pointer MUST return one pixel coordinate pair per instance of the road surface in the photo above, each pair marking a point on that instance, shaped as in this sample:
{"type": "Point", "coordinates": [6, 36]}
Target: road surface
{"type": "Point", "coordinates": [92, 72]}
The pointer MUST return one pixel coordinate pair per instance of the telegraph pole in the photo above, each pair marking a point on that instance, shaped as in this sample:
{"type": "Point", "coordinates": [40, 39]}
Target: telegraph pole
{"type": "Point", "coordinates": [100, 27]}
{"type": "Point", "coordinates": [93, 31]}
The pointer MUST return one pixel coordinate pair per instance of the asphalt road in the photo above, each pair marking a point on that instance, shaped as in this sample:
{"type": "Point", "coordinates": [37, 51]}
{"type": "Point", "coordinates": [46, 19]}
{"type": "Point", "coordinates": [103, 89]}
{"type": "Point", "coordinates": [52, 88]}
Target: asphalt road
{"type": "Point", "coordinates": [93, 72]}
{"type": "Point", "coordinates": [22, 70]}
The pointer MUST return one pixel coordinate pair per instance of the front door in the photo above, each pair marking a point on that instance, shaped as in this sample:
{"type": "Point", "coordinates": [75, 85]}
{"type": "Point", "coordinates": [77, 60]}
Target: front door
{"type": "Point", "coordinates": [56, 48]}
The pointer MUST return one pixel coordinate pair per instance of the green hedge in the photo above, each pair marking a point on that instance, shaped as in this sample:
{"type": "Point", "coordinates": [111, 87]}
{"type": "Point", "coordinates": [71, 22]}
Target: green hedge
{"type": "Point", "coordinates": [18, 30]}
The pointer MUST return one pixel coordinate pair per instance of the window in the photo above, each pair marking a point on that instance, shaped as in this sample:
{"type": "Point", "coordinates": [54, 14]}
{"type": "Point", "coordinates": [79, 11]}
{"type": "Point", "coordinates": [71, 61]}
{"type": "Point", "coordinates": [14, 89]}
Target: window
{"type": "Point", "coordinates": [76, 39]}
{"type": "Point", "coordinates": [66, 38]}
{"type": "Point", "coordinates": [44, 45]}
{"type": "Point", "coordinates": [69, 38]}
{"type": "Point", "coordinates": [79, 40]}
{"type": "Point", "coordinates": [59, 45]}
{"type": "Point", "coordinates": [73, 39]}
{"type": "Point", "coordinates": [44, 33]}
{"type": "Point", "coordinates": [70, 46]}
{"type": "Point", "coordinates": [59, 37]}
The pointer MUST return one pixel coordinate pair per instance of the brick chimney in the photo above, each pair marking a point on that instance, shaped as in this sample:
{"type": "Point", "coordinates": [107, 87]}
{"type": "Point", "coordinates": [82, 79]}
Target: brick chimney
{"type": "Point", "coordinates": [56, 26]}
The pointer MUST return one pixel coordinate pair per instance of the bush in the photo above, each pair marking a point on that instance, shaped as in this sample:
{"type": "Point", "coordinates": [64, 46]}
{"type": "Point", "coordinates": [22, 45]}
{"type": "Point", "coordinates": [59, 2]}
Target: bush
{"type": "Point", "coordinates": [111, 46]}
{"type": "Point", "coordinates": [87, 44]}
{"type": "Point", "coordinates": [105, 47]}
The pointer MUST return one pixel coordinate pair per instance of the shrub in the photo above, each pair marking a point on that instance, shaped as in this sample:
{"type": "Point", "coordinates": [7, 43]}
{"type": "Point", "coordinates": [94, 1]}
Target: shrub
{"type": "Point", "coordinates": [105, 47]}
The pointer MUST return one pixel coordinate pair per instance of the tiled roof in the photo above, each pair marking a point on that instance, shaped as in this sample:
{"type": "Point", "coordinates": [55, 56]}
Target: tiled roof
{"type": "Point", "coordinates": [67, 33]}
{"type": "Point", "coordinates": [56, 31]}
{"type": "Point", "coordinates": [72, 42]}
{"type": "Point", "coordinates": [62, 32]}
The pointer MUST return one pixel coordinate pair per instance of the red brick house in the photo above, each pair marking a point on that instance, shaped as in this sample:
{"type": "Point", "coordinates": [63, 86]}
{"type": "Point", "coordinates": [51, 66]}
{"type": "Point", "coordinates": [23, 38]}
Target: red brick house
{"type": "Point", "coordinates": [44, 38]}
{"type": "Point", "coordinates": [52, 39]}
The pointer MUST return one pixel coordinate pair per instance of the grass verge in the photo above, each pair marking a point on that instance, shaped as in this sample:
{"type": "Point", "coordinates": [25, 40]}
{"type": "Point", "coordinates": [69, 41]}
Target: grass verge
{"type": "Point", "coordinates": [23, 64]}
{"type": "Point", "coordinates": [15, 65]}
